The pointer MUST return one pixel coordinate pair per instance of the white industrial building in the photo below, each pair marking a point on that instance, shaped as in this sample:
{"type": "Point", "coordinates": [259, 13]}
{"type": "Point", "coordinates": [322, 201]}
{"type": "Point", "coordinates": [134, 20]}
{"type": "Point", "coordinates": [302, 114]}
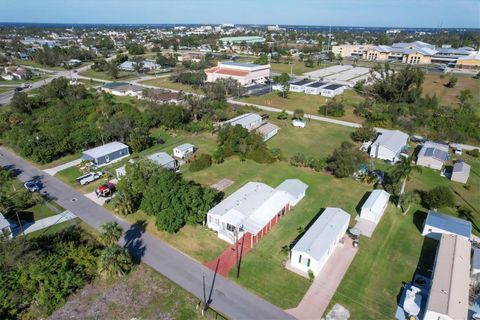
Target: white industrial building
{"type": "Point", "coordinates": [312, 251]}
{"type": "Point", "coordinates": [460, 172]}
{"type": "Point", "coordinates": [244, 73]}
{"type": "Point", "coordinates": [315, 88]}
{"type": "Point", "coordinates": [375, 206]}
{"type": "Point", "coordinates": [438, 223]}
{"type": "Point", "coordinates": [332, 90]}
{"type": "Point", "coordinates": [389, 145]}
{"type": "Point", "coordinates": [449, 294]}
{"type": "Point", "coordinates": [299, 86]}
{"type": "Point", "coordinates": [253, 209]}
{"type": "Point", "coordinates": [433, 155]}
{"type": "Point", "coordinates": [184, 151]}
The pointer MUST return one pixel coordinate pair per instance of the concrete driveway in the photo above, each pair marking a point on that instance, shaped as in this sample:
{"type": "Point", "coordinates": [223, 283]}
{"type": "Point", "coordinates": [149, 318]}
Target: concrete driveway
{"type": "Point", "coordinates": [54, 170]}
{"type": "Point", "coordinates": [317, 298]}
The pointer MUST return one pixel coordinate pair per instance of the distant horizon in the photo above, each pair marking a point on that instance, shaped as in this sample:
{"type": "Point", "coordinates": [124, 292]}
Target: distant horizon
{"type": "Point", "coordinates": [365, 13]}
{"type": "Point", "coordinates": [179, 24]}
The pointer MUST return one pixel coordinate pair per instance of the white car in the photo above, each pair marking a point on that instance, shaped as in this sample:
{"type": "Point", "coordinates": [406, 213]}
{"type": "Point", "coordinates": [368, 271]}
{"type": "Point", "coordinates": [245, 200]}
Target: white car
{"type": "Point", "coordinates": [89, 177]}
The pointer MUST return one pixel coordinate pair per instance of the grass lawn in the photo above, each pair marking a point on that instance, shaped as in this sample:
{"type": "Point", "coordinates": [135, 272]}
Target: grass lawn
{"type": "Point", "coordinates": [122, 75]}
{"type": "Point", "coordinates": [168, 84]}
{"type": "Point", "coordinates": [395, 252]}
{"type": "Point", "coordinates": [89, 83]}
{"type": "Point", "coordinates": [61, 161]}
{"type": "Point", "coordinates": [58, 227]}
{"type": "Point", "coordinates": [70, 175]}
{"type": "Point", "coordinates": [37, 212]}
{"type": "Point", "coordinates": [298, 67]}
{"type": "Point", "coordinates": [262, 269]}
{"type": "Point", "coordinates": [309, 103]}
{"type": "Point", "coordinates": [35, 64]}
{"type": "Point", "coordinates": [5, 89]}
{"type": "Point", "coordinates": [434, 85]}
{"type": "Point", "coordinates": [317, 139]}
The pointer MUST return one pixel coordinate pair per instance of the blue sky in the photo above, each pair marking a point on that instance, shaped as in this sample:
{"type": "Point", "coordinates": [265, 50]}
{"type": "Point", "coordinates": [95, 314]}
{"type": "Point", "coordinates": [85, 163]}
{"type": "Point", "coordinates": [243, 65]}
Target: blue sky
{"type": "Point", "coordinates": [401, 13]}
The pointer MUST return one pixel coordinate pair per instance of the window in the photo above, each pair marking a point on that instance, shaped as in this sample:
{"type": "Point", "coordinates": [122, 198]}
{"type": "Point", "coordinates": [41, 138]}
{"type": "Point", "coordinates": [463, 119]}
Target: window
{"type": "Point", "coordinates": [107, 159]}
{"type": "Point", "coordinates": [308, 262]}
{"type": "Point", "coordinates": [230, 227]}
{"type": "Point", "coordinates": [300, 259]}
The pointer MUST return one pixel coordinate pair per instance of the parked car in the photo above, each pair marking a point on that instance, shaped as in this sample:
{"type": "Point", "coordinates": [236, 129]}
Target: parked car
{"type": "Point", "coordinates": [89, 177]}
{"type": "Point", "coordinates": [105, 190]}
{"type": "Point", "coordinates": [26, 85]}
{"type": "Point", "coordinates": [18, 89]}
{"type": "Point", "coordinates": [32, 186]}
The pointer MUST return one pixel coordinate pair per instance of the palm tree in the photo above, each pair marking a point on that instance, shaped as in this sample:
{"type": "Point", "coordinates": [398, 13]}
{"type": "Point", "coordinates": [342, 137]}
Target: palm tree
{"type": "Point", "coordinates": [403, 170]}
{"type": "Point", "coordinates": [409, 199]}
{"type": "Point", "coordinates": [115, 261]}
{"type": "Point", "coordinates": [124, 202]}
{"type": "Point", "coordinates": [112, 232]}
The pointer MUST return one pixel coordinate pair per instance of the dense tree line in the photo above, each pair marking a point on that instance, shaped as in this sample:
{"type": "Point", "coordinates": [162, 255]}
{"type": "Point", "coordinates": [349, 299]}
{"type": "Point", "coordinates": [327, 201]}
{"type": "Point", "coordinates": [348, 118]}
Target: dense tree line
{"type": "Point", "coordinates": [57, 56]}
{"type": "Point", "coordinates": [163, 194]}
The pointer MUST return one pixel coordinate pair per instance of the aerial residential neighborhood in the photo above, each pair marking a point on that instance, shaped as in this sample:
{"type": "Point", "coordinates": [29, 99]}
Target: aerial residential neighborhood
{"type": "Point", "coordinates": [249, 160]}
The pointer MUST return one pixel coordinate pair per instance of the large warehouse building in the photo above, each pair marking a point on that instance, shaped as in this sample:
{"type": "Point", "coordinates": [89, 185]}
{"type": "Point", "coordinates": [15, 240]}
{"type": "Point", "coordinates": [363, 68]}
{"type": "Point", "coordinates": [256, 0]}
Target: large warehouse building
{"type": "Point", "coordinates": [244, 73]}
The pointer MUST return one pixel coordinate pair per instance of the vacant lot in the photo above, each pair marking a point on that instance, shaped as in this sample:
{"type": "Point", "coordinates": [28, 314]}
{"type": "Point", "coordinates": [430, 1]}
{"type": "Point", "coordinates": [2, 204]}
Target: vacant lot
{"type": "Point", "coordinates": [317, 139]}
{"type": "Point", "coordinates": [143, 294]}
{"type": "Point", "coordinates": [262, 269]}
{"type": "Point", "coordinates": [122, 75]}
{"type": "Point", "coordinates": [309, 103]}
{"type": "Point", "coordinates": [435, 85]}
{"type": "Point", "coordinates": [168, 84]}
{"type": "Point", "coordinates": [298, 67]}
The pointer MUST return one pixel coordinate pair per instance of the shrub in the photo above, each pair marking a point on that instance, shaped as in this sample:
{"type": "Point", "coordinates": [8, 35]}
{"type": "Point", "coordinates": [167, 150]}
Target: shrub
{"type": "Point", "coordinates": [202, 162]}
{"type": "Point", "coordinates": [311, 276]}
{"type": "Point", "coordinates": [438, 197]}
{"type": "Point", "coordinates": [474, 153]}
{"type": "Point", "coordinates": [452, 82]}
{"type": "Point", "coordinates": [364, 133]}
{"type": "Point", "coordinates": [282, 115]}
{"type": "Point", "coordinates": [332, 108]}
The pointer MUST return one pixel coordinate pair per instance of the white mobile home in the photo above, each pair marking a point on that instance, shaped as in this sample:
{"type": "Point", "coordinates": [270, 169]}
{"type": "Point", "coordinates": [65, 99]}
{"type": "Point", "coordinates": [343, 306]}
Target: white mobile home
{"type": "Point", "coordinates": [164, 160]}
{"type": "Point", "coordinates": [300, 86]}
{"type": "Point", "coordinates": [438, 223]}
{"type": "Point", "coordinates": [389, 145]}
{"type": "Point", "coordinates": [312, 251]}
{"type": "Point", "coordinates": [252, 210]}
{"type": "Point", "coordinates": [108, 153]}
{"type": "Point", "coordinates": [249, 121]}
{"type": "Point", "coordinates": [375, 206]}
{"type": "Point", "coordinates": [332, 90]}
{"type": "Point", "coordinates": [184, 151]}
{"type": "Point", "coordinates": [267, 130]}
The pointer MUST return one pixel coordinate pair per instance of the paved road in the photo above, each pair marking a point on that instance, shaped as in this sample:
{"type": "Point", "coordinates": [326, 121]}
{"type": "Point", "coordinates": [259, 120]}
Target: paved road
{"type": "Point", "coordinates": [226, 297]}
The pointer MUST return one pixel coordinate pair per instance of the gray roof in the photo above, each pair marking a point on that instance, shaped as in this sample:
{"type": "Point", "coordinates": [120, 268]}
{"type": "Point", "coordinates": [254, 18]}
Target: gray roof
{"type": "Point", "coordinates": [267, 128]}
{"type": "Point", "coordinates": [393, 140]}
{"type": "Point", "coordinates": [434, 150]}
{"type": "Point", "coordinates": [105, 149]}
{"type": "Point", "coordinates": [377, 197]}
{"type": "Point", "coordinates": [294, 187]}
{"type": "Point", "coordinates": [451, 224]}
{"type": "Point", "coordinates": [317, 84]}
{"type": "Point", "coordinates": [161, 158]}
{"type": "Point", "coordinates": [3, 222]}
{"type": "Point", "coordinates": [185, 147]}
{"type": "Point", "coordinates": [245, 120]}
{"type": "Point", "coordinates": [320, 236]}
{"type": "Point", "coordinates": [461, 166]}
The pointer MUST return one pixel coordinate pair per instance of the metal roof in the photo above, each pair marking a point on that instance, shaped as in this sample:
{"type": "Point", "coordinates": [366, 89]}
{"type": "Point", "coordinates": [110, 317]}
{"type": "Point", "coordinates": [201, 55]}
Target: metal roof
{"type": "Point", "coordinates": [324, 231]}
{"type": "Point", "coordinates": [302, 82]}
{"type": "Point", "coordinates": [185, 147]}
{"type": "Point", "coordinates": [333, 86]}
{"type": "Point", "coordinates": [240, 64]}
{"type": "Point", "coordinates": [461, 166]}
{"type": "Point", "coordinates": [161, 158]}
{"type": "Point", "coordinates": [448, 223]}
{"type": "Point", "coordinates": [451, 278]}
{"type": "Point", "coordinates": [376, 201]}
{"type": "Point", "coordinates": [294, 187]}
{"type": "Point", "coordinates": [245, 120]}
{"type": "Point", "coordinates": [393, 140]}
{"type": "Point", "coordinates": [434, 150]}
{"type": "Point", "coordinates": [106, 149]}
{"type": "Point", "coordinates": [317, 84]}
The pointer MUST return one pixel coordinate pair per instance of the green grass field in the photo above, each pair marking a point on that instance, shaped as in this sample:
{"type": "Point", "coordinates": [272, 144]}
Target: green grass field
{"type": "Point", "coordinates": [5, 89]}
{"type": "Point", "coordinates": [309, 103]}
{"type": "Point", "coordinates": [317, 139]}
{"type": "Point", "coordinates": [122, 75]}
{"type": "Point", "coordinates": [298, 67]}
{"type": "Point", "coordinates": [168, 84]}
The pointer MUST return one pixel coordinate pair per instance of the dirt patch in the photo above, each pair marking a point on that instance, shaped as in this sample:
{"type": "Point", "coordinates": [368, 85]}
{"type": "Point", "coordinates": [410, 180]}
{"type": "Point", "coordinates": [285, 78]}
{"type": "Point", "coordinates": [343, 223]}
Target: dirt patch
{"type": "Point", "coordinates": [222, 184]}
{"type": "Point", "coordinates": [143, 294]}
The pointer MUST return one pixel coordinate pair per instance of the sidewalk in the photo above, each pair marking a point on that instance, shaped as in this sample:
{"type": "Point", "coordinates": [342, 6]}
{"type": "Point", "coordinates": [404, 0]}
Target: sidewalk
{"type": "Point", "coordinates": [45, 223]}
{"type": "Point", "coordinates": [317, 298]}
{"type": "Point", "coordinates": [54, 170]}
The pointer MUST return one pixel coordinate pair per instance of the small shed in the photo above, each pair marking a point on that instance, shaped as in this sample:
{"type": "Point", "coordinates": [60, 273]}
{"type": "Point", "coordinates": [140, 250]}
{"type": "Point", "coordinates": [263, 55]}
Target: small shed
{"type": "Point", "coordinates": [267, 130]}
{"type": "Point", "coordinates": [108, 153]}
{"type": "Point", "coordinates": [298, 123]}
{"type": "Point", "coordinates": [164, 160]}
{"type": "Point", "coordinates": [312, 251]}
{"type": "Point", "coordinates": [438, 223]}
{"type": "Point", "coordinates": [5, 228]}
{"type": "Point", "coordinates": [375, 206]}
{"type": "Point", "coordinates": [461, 172]}
{"type": "Point", "coordinates": [295, 188]}
{"type": "Point", "coordinates": [184, 151]}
